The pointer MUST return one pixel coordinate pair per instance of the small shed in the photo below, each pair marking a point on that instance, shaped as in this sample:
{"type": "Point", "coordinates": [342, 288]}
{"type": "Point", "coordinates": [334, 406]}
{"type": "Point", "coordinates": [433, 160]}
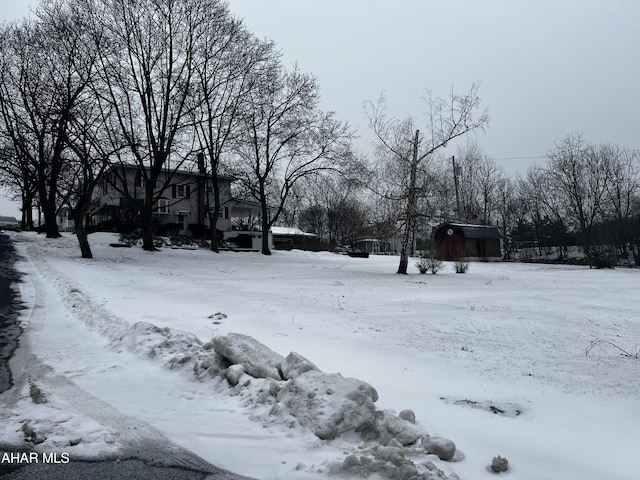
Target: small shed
{"type": "Point", "coordinates": [454, 241]}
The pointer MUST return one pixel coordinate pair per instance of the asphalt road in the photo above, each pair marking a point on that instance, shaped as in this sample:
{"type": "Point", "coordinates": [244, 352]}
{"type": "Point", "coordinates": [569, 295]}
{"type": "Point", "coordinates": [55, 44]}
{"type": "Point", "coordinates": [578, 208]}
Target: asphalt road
{"type": "Point", "coordinates": [9, 304]}
{"type": "Point", "coordinates": [151, 458]}
{"type": "Point", "coordinates": [123, 467]}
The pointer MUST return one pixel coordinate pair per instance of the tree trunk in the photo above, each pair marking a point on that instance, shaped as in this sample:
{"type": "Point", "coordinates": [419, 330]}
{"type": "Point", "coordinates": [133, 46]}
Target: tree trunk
{"type": "Point", "coordinates": [146, 221]}
{"type": "Point", "coordinates": [586, 242]}
{"type": "Point", "coordinates": [47, 206]}
{"type": "Point", "coordinates": [265, 230]}
{"type": "Point", "coordinates": [50, 220]}
{"type": "Point", "coordinates": [146, 218]}
{"type": "Point", "coordinates": [81, 234]}
{"type": "Point", "coordinates": [213, 216]}
{"type": "Point", "coordinates": [27, 211]}
{"type": "Point", "coordinates": [410, 212]}
{"type": "Point", "coordinates": [213, 233]}
{"type": "Point", "coordinates": [266, 225]}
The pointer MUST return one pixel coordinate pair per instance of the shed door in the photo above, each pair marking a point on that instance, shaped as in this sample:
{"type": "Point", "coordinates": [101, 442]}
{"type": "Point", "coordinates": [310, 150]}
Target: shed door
{"type": "Point", "coordinates": [452, 247]}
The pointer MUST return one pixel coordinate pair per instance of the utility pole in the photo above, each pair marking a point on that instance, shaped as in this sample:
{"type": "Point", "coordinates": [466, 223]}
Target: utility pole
{"type": "Point", "coordinates": [456, 173]}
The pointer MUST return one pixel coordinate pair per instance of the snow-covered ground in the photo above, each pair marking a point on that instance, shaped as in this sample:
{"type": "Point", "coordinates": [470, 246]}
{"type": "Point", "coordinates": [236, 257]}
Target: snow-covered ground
{"type": "Point", "coordinates": [495, 360]}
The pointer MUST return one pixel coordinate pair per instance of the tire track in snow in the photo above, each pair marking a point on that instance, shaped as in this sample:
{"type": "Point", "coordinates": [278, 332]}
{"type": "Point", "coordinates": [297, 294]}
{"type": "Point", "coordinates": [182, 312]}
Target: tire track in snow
{"type": "Point", "coordinates": [137, 438]}
{"type": "Point", "coordinates": [79, 304]}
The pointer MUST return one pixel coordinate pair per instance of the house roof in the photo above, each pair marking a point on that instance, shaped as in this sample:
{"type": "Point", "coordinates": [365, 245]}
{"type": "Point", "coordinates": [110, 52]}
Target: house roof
{"type": "Point", "coordinates": [473, 231]}
{"type": "Point", "coordinates": [290, 232]}
{"type": "Point", "coordinates": [178, 171]}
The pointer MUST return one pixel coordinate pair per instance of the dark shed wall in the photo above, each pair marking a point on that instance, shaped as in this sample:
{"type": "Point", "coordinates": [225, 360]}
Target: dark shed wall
{"type": "Point", "coordinates": [455, 241]}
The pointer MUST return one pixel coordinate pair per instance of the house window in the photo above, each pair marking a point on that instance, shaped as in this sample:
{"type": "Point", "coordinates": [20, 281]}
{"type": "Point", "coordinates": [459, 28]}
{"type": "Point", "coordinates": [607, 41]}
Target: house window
{"type": "Point", "coordinates": [105, 184]}
{"type": "Point", "coordinates": [223, 212]}
{"type": "Point", "coordinates": [139, 180]}
{"type": "Point", "coordinates": [162, 207]}
{"type": "Point", "coordinates": [181, 190]}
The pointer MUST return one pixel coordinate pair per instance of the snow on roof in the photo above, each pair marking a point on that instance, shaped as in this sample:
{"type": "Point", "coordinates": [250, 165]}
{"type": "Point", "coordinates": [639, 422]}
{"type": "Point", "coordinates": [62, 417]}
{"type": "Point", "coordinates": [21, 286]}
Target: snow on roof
{"type": "Point", "coordinates": [290, 231]}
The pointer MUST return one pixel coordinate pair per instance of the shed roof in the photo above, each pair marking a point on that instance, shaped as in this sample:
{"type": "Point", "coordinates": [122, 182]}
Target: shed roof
{"type": "Point", "coordinates": [474, 231]}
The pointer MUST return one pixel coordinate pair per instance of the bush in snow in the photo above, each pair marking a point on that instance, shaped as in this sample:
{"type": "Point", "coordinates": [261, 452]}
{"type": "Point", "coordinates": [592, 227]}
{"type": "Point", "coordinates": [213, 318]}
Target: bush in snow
{"type": "Point", "coordinates": [604, 256]}
{"type": "Point", "coordinates": [429, 264]}
{"type": "Point", "coordinates": [461, 266]}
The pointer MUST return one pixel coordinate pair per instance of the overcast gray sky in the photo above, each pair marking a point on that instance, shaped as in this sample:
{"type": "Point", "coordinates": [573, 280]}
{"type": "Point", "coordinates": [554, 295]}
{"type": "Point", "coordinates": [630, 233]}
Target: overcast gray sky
{"type": "Point", "coordinates": [546, 67]}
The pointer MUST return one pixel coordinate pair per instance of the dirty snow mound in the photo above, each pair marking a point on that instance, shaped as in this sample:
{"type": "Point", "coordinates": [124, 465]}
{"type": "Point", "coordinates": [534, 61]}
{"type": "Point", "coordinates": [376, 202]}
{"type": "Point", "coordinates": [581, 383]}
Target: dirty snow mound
{"type": "Point", "coordinates": [256, 359]}
{"type": "Point", "coordinates": [295, 365]}
{"type": "Point", "coordinates": [329, 404]}
{"type": "Point", "coordinates": [332, 407]}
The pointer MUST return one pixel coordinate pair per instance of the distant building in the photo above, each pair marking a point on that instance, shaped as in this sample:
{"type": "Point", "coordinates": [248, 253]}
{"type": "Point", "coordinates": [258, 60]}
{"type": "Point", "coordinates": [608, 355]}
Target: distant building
{"type": "Point", "coordinates": [286, 238]}
{"type": "Point", "coordinates": [373, 245]}
{"type": "Point", "coordinates": [454, 241]}
{"type": "Point", "coordinates": [181, 209]}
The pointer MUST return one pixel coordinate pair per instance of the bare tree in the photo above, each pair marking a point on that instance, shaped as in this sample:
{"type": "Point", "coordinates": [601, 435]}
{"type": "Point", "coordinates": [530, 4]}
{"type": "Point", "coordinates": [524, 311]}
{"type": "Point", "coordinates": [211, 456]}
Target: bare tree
{"type": "Point", "coordinates": [508, 210]}
{"type": "Point", "coordinates": [229, 63]}
{"type": "Point", "coordinates": [45, 69]}
{"type": "Point", "coordinates": [148, 76]}
{"type": "Point", "coordinates": [401, 144]}
{"type": "Point", "coordinates": [16, 175]}
{"type": "Point", "coordinates": [578, 172]}
{"type": "Point", "coordinates": [88, 159]}
{"type": "Point", "coordinates": [479, 179]}
{"type": "Point", "coordinates": [333, 209]}
{"type": "Point", "coordinates": [286, 138]}
{"type": "Point", "coordinates": [621, 195]}
{"type": "Point", "coordinates": [541, 205]}
{"type": "Point", "coordinates": [469, 158]}
{"type": "Point", "coordinates": [347, 220]}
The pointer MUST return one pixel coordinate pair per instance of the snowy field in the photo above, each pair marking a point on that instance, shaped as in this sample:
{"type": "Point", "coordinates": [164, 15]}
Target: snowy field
{"type": "Point", "coordinates": [497, 360]}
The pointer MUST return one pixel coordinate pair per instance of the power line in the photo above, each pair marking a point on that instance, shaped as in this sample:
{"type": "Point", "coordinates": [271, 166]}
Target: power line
{"type": "Point", "coordinates": [516, 158]}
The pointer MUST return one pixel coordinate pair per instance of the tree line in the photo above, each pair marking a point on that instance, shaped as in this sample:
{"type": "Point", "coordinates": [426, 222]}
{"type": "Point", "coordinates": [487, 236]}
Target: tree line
{"type": "Point", "coordinates": [88, 86]}
{"type": "Point", "coordinates": [584, 194]}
